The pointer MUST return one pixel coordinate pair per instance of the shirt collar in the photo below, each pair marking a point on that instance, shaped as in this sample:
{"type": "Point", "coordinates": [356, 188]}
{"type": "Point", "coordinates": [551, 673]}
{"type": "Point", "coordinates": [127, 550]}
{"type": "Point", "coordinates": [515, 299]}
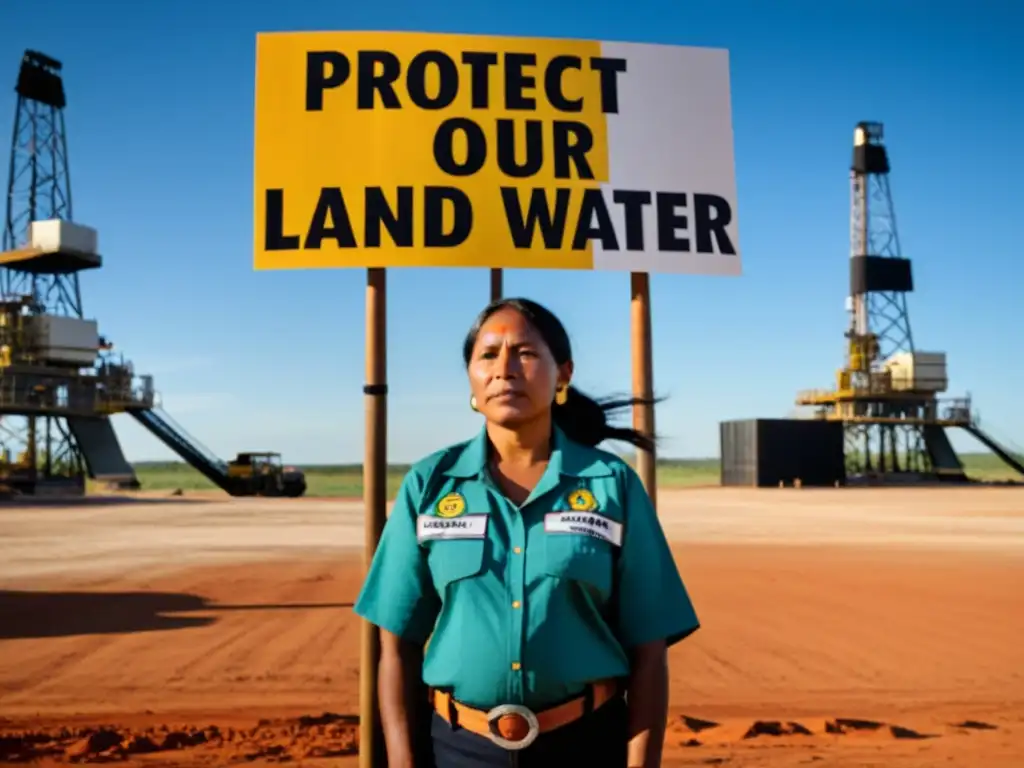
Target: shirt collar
{"type": "Point", "coordinates": [568, 458]}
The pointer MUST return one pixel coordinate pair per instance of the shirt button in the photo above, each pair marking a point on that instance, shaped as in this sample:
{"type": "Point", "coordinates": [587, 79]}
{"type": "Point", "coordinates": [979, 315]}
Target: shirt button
{"type": "Point", "coordinates": [516, 665]}
{"type": "Point", "coordinates": [515, 603]}
{"type": "Point", "coordinates": [517, 550]}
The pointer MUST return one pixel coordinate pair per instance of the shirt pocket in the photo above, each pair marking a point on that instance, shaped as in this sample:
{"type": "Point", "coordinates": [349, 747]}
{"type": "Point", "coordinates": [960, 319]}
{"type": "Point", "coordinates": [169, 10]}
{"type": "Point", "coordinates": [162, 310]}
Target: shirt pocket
{"type": "Point", "coordinates": [453, 560]}
{"type": "Point", "coordinates": [579, 558]}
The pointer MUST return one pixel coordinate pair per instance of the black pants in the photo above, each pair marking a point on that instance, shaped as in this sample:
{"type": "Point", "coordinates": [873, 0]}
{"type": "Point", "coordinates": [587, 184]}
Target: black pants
{"type": "Point", "coordinates": [598, 740]}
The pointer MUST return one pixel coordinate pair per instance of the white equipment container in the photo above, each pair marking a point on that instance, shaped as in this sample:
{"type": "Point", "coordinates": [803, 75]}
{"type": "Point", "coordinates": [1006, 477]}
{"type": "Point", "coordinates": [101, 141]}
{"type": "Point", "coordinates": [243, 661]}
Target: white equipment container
{"type": "Point", "coordinates": [66, 340]}
{"type": "Point", "coordinates": [918, 371]}
{"type": "Point", "coordinates": [57, 236]}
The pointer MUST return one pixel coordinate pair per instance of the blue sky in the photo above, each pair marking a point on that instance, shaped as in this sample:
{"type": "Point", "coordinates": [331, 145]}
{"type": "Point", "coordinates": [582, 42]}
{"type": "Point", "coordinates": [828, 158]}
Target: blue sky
{"type": "Point", "coordinates": [160, 137]}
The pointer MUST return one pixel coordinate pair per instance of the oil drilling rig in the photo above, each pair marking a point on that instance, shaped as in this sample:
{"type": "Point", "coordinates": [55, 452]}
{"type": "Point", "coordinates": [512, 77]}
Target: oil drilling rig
{"type": "Point", "coordinates": [884, 420]}
{"type": "Point", "coordinates": [60, 381]}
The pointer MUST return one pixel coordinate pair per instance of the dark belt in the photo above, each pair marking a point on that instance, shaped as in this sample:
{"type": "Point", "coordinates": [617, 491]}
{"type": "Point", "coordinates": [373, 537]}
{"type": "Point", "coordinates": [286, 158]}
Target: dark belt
{"type": "Point", "coordinates": [513, 726]}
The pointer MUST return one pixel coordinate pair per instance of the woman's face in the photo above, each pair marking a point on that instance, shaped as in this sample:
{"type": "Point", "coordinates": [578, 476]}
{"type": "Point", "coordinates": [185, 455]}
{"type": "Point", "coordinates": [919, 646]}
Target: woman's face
{"type": "Point", "coordinates": [512, 373]}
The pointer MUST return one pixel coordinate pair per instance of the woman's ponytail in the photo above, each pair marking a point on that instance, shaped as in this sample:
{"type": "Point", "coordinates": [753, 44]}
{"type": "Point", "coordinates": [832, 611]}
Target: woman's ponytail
{"type": "Point", "coordinates": [585, 420]}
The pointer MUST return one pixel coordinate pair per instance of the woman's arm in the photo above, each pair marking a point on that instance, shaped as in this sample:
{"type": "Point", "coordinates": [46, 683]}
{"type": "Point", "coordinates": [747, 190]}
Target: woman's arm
{"type": "Point", "coordinates": [403, 699]}
{"type": "Point", "coordinates": [647, 697]}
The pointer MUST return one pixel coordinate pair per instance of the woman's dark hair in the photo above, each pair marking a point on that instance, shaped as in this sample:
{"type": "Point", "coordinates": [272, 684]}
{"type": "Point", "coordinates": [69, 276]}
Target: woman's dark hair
{"type": "Point", "coordinates": [583, 419]}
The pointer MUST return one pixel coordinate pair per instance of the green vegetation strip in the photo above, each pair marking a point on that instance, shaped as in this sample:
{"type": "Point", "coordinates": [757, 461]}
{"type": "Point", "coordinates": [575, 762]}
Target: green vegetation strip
{"type": "Point", "coordinates": [347, 480]}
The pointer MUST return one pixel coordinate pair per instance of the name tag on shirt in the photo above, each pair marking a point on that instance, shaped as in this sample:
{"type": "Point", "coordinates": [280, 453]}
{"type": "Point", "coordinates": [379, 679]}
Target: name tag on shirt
{"type": "Point", "coordinates": [462, 527]}
{"type": "Point", "coordinates": [586, 524]}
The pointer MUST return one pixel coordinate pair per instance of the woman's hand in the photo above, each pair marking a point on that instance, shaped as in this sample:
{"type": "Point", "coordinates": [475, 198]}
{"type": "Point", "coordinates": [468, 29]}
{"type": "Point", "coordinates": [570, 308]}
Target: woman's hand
{"type": "Point", "coordinates": [647, 698]}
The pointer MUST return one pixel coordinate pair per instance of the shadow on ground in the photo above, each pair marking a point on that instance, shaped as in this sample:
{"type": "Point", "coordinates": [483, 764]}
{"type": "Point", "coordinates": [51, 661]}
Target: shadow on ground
{"type": "Point", "coordinates": [30, 614]}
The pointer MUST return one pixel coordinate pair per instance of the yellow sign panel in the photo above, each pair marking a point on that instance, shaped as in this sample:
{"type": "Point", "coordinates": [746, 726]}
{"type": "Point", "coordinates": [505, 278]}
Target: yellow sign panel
{"type": "Point", "coordinates": [414, 149]}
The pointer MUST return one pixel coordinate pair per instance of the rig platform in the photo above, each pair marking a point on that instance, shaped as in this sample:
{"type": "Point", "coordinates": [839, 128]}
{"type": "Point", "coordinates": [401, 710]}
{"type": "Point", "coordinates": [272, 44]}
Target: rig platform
{"type": "Point", "coordinates": [890, 423]}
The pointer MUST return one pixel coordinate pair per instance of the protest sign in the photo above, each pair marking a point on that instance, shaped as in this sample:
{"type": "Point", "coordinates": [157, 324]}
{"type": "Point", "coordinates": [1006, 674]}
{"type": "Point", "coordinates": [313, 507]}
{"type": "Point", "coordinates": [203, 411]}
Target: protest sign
{"type": "Point", "coordinates": [402, 149]}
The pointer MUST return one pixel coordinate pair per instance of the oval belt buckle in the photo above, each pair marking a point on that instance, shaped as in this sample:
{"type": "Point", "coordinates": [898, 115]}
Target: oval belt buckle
{"type": "Point", "coordinates": [516, 710]}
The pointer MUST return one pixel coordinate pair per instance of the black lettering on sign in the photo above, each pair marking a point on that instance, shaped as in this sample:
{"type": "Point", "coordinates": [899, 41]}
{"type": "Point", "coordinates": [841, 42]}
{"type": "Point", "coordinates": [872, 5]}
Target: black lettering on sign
{"type": "Point", "coordinates": [507, 148]}
{"type": "Point", "coordinates": [516, 81]}
{"type": "Point", "coordinates": [330, 220]}
{"type": "Point", "coordinates": [669, 220]}
{"type": "Point", "coordinates": [378, 213]}
{"type": "Point", "coordinates": [274, 238]}
{"type": "Point", "coordinates": [711, 215]}
{"type": "Point", "coordinates": [553, 83]}
{"type": "Point", "coordinates": [373, 81]}
{"type": "Point", "coordinates": [594, 207]}
{"type": "Point", "coordinates": [593, 220]}
{"type": "Point", "coordinates": [572, 141]}
{"type": "Point", "coordinates": [434, 235]}
{"type": "Point", "coordinates": [444, 147]}
{"type": "Point", "coordinates": [447, 213]}
{"type": "Point", "coordinates": [633, 203]}
{"type": "Point", "coordinates": [609, 70]}
{"type": "Point", "coordinates": [377, 71]}
{"type": "Point", "coordinates": [324, 70]}
{"type": "Point", "coordinates": [538, 214]}
{"type": "Point", "coordinates": [416, 80]}
{"type": "Point", "coordinates": [479, 75]}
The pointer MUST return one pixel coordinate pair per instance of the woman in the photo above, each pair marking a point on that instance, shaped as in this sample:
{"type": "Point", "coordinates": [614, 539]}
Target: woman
{"type": "Point", "coordinates": [532, 570]}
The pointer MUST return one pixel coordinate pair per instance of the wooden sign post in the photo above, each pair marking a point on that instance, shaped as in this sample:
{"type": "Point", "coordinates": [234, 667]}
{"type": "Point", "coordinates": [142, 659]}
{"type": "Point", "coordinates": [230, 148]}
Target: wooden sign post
{"type": "Point", "coordinates": [497, 289]}
{"type": "Point", "coordinates": [642, 352]}
{"type": "Point", "coordinates": [375, 499]}
{"type": "Point", "coordinates": [573, 159]}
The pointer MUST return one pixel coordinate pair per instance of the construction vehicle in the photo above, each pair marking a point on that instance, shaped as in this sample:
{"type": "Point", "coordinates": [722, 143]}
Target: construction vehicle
{"type": "Point", "coordinates": [254, 473]}
{"type": "Point", "coordinates": [262, 474]}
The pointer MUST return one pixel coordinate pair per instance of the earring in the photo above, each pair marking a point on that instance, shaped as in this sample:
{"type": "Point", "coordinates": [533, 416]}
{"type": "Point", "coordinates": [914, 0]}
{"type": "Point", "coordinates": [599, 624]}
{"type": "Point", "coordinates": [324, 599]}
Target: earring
{"type": "Point", "coordinates": [561, 395]}
{"type": "Point", "coordinates": [472, 403]}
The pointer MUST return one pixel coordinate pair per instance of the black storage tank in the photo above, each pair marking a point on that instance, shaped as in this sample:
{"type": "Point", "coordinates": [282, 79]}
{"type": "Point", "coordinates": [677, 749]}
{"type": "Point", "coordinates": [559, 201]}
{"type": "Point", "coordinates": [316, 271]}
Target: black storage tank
{"type": "Point", "coordinates": [766, 452]}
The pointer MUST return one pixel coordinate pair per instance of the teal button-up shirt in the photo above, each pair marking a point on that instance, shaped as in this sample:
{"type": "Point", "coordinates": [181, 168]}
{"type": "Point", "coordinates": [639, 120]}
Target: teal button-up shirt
{"type": "Point", "coordinates": [527, 604]}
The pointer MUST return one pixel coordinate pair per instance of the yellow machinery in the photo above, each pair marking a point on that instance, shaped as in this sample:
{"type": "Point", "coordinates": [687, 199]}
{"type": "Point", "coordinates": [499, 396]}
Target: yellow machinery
{"type": "Point", "coordinates": [901, 389]}
{"type": "Point", "coordinates": [262, 474]}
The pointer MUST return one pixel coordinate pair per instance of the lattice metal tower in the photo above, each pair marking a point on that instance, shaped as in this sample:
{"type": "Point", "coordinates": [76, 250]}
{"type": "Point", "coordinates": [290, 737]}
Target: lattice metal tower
{"type": "Point", "coordinates": [880, 278]}
{"type": "Point", "coordinates": [39, 188]}
{"type": "Point", "coordinates": [886, 392]}
{"type": "Point", "coordinates": [879, 305]}
{"type": "Point", "coordinates": [39, 184]}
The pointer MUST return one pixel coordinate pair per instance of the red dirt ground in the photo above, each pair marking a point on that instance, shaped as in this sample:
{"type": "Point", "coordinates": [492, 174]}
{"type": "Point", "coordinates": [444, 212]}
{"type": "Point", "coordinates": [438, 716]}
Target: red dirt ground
{"type": "Point", "coordinates": [842, 655]}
